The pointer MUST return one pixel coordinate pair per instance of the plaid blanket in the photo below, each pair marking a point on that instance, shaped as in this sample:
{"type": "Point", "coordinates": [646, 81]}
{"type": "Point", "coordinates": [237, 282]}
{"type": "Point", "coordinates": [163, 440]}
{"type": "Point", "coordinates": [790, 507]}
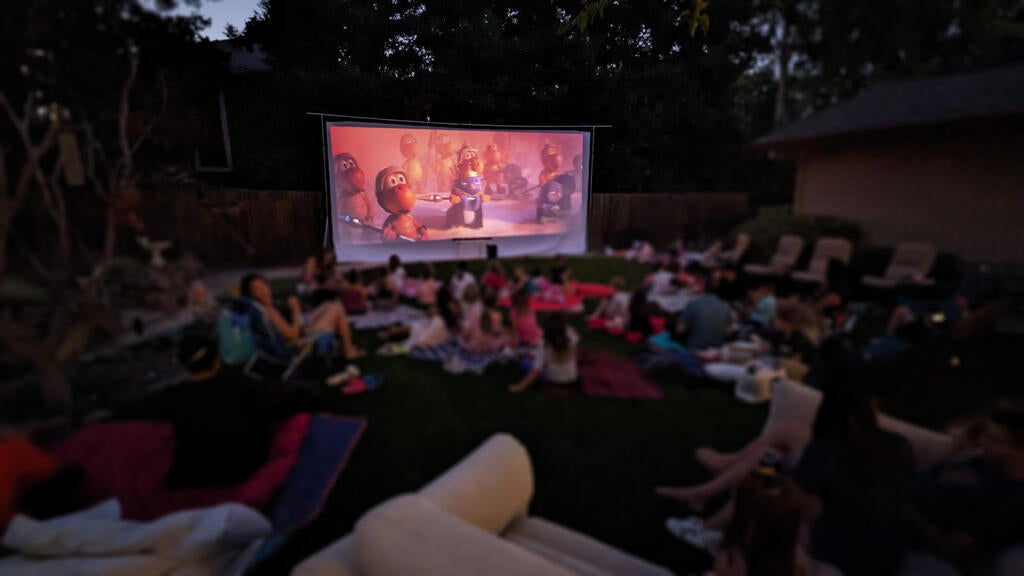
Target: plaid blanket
{"type": "Point", "coordinates": [466, 361]}
{"type": "Point", "coordinates": [376, 319]}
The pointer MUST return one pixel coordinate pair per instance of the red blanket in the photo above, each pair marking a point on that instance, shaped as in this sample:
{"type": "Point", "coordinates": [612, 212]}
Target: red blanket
{"type": "Point", "coordinates": [613, 376]}
{"type": "Point", "coordinates": [581, 290]}
{"type": "Point", "coordinates": [130, 461]}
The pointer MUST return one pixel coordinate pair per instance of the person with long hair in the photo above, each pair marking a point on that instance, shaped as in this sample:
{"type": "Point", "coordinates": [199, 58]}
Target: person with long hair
{"type": "Point", "coordinates": [761, 538]}
{"type": "Point", "coordinates": [524, 319]}
{"type": "Point", "coordinates": [329, 317]}
{"type": "Point", "coordinates": [554, 359]}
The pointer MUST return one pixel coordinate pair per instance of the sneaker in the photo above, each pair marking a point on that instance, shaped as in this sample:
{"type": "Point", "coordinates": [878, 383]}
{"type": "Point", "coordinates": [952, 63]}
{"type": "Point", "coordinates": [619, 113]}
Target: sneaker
{"type": "Point", "coordinates": [691, 530]}
{"type": "Point", "coordinates": [338, 379]}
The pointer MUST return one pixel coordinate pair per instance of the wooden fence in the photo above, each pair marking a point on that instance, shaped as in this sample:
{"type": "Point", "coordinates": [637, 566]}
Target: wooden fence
{"type": "Point", "coordinates": [236, 226]}
{"type": "Point", "coordinates": [617, 219]}
{"type": "Point", "coordinates": [240, 227]}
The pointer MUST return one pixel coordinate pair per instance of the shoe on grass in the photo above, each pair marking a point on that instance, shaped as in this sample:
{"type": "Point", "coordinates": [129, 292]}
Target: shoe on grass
{"type": "Point", "coordinates": [691, 530]}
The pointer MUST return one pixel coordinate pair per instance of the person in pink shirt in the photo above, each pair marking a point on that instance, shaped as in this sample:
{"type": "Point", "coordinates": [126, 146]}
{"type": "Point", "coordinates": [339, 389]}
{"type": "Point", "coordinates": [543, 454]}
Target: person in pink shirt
{"type": "Point", "coordinates": [524, 319]}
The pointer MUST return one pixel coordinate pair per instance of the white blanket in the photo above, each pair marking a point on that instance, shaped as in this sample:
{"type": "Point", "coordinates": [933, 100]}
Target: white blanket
{"type": "Point", "coordinates": [218, 540]}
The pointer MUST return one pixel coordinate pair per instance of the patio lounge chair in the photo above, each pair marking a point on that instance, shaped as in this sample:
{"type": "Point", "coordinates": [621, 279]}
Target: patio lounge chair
{"type": "Point", "coordinates": [714, 257]}
{"type": "Point", "coordinates": [252, 323]}
{"type": "Point", "coordinates": [910, 261]}
{"type": "Point", "coordinates": [825, 250]}
{"type": "Point", "coordinates": [787, 252]}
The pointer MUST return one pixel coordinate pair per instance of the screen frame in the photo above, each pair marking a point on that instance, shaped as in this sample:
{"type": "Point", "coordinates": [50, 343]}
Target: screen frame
{"type": "Point", "coordinates": [448, 248]}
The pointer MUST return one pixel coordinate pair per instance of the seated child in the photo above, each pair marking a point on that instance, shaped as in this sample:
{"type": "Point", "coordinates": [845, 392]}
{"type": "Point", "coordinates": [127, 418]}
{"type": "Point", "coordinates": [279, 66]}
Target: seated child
{"type": "Point", "coordinates": [664, 279]}
{"type": "Point", "coordinates": [615, 308]}
{"type": "Point", "coordinates": [353, 293]}
{"type": "Point", "coordinates": [462, 279]}
{"type": "Point", "coordinates": [482, 332]}
{"type": "Point", "coordinates": [554, 359]}
{"type": "Point", "coordinates": [524, 319]}
{"type": "Point", "coordinates": [559, 271]}
{"type": "Point", "coordinates": [395, 278]}
{"type": "Point", "coordinates": [494, 276]}
{"type": "Point", "coordinates": [762, 300]}
{"type": "Point", "coordinates": [639, 313]}
{"type": "Point", "coordinates": [427, 291]}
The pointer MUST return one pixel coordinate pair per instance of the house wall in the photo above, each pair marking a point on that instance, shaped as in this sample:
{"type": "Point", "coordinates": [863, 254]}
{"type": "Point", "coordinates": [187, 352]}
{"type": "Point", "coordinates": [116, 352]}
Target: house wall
{"type": "Point", "coordinates": [964, 193]}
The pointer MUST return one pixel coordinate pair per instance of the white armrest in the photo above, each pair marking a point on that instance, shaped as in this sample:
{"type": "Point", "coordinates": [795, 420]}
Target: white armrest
{"type": "Point", "coordinates": [490, 488]}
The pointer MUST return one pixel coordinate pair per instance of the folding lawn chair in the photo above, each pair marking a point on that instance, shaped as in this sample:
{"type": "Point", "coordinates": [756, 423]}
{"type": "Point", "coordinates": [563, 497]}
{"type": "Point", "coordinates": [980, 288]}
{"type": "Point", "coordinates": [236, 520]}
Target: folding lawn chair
{"type": "Point", "coordinates": [247, 336]}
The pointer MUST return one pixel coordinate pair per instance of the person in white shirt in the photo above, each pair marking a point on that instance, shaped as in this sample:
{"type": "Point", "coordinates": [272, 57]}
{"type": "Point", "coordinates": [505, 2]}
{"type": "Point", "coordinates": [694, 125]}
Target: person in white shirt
{"type": "Point", "coordinates": [663, 281]}
{"type": "Point", "coordinates": [461, 279]}
{"type": "Point", "coordinates": [615, 308]}
{"type": "Point", "coordinates": [554, 359]}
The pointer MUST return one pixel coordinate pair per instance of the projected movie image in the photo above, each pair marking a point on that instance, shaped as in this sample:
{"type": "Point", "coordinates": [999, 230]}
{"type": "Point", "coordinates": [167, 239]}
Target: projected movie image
{"type": "Point", "coordinates": [394, 184]}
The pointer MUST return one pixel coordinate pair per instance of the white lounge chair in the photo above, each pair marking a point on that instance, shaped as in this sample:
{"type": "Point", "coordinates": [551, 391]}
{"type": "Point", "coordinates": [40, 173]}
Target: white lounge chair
{"type": "Point", "coordinates": [787, 252]}
{"type": "Point", "coordinates": [825, 250]}
{"type": "Point", "coordinates": [912, 261]}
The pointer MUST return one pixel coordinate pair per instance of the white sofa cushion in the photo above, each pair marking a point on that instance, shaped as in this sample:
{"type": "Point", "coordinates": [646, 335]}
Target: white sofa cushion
{"type": "Point", "coordinates": [411, 535]}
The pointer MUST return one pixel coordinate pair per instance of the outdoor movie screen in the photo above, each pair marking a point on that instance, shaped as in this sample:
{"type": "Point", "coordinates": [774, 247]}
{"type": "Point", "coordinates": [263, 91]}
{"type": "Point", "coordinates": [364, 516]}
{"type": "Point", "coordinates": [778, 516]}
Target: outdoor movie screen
{"type": "Point", "coordinates": [400, 186]}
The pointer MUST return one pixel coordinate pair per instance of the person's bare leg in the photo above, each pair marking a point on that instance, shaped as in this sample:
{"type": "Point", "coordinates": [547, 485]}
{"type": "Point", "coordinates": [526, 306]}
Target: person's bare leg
{"type": "Point", "coordinates": [786, 438]}
{"type": "Point", "coordinates": [331, 317]}
{"type": "Point", "coordinates": [344, 331]}
{"type": "Point", "coordinates": [720, 520]}
{"type": "Point", "coordinates": [697, 496]}
{"type": "Point", "coordinates": [783, 435]}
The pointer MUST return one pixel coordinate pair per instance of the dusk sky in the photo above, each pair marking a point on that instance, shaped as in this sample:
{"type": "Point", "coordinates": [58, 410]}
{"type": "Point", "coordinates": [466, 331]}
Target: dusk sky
{"type": "Point", "coordinates": [221, 13]}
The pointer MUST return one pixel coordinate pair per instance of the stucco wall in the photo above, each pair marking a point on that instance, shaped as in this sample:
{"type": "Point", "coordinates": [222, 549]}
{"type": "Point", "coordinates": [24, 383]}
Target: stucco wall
{"type": "Point", "coordinates": [963, 193]}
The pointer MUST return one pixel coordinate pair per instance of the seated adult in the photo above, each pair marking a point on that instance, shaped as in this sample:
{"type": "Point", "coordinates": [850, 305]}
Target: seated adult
{"type": "Point", "coordinates": [319, 273]}
{"type": "Point", "coordinates": [704, 323]}
{"type": "Point", "coordinates": [796, 335]}
{"type": "Point", "coordinates": [329, 317]}
{"type": "Point", "coordinates": [972, 506]}
{"type": "Point", "coordinates": [559, 271]}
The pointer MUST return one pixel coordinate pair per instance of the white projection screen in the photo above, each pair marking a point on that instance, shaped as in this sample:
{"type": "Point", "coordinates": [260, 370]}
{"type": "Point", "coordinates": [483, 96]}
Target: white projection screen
{"type": "Point", "coordinates": [440, 193]}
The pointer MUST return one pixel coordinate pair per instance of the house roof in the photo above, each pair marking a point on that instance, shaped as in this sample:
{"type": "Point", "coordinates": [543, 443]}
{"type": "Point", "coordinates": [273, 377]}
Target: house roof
{"type": "Point", "coordinates": [242, 58]}
{"type": "Point", "coordinates": [990, 93]}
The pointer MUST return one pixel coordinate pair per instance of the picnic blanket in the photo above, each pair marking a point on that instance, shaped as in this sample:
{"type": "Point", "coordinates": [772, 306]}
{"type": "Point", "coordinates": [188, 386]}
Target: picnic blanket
{"type": "Point", "coordinates": [605, 375]}
{"type": "Point", "coordinates": [324, 453]}
{"type": "Point", "coordinates": [467, 361]}
{"type": "Point", "coordinates": [130, 461]}
{"type": "Point", "coordinates": [377, 319]}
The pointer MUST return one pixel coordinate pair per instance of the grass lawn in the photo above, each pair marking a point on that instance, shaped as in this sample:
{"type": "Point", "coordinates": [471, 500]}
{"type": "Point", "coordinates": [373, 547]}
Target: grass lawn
{"type": "Point", "coordinates": [595, 461]}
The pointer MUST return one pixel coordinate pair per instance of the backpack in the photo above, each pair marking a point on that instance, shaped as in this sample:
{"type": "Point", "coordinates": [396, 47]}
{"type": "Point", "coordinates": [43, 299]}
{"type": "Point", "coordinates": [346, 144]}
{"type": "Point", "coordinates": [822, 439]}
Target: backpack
{"type": "Point", "coordinates": [234, 334]}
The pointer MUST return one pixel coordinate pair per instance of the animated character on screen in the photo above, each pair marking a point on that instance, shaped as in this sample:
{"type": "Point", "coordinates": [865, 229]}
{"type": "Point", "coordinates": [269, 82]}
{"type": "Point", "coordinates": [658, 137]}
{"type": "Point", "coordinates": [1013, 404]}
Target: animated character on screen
{"type": "Point", "coordinates": [467, 195]}
{"type": "Point", "coordinates": [555, 198]}
{"type": "Point", "coordinates": [445, 162]}
{"type": "Point", "coordinates": [397, 197]}
{"type": "Point", "coordinates": [350, 189]}
{"type": "Point", "coordinates": [515, 181]}
{"type": "Point", "coordinates": [412, 167]}
{"type": "Point", "coordinates": [494, 171]}
{"type": "Point", "coordinates": [551, 159]}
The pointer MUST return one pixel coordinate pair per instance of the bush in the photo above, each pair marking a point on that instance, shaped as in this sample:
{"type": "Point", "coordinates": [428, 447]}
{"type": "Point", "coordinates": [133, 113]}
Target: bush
{"type": "Point", "coordinates": [773, 222]}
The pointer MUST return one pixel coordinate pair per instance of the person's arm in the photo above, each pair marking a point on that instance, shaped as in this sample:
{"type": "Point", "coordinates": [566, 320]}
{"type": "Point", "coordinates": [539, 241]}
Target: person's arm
{"type": "Point", "coordinates": [290, 330]}
{"type": "Point", "coordinates": [601, 307]}
{"type": "Point", "coordinates": [526, 382]}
